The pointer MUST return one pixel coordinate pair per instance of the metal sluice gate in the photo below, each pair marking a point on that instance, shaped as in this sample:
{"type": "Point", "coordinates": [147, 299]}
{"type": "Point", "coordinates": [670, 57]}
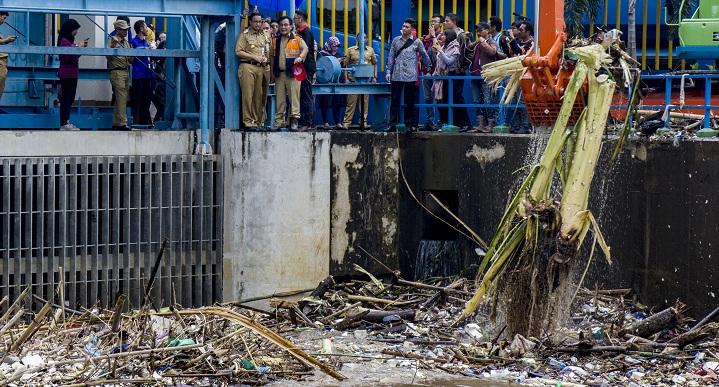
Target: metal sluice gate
{"type": "Point", "coordinates": [100, 222]}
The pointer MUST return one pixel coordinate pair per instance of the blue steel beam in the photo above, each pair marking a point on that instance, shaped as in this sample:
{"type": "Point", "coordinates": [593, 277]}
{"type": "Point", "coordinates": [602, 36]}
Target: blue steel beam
{"type": "Point", "coordinates": [54, 50]}
{"type": "Point", "coordinates": [127, 7]}
{"type": "Point", "coordinates": [50, 73]}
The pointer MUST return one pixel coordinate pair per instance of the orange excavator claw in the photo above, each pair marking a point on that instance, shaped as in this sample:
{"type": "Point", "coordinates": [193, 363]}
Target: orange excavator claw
{"type": "Point", "coordinates": [544, 83]}
{"type": "Point", "coordinates": [547, 76]}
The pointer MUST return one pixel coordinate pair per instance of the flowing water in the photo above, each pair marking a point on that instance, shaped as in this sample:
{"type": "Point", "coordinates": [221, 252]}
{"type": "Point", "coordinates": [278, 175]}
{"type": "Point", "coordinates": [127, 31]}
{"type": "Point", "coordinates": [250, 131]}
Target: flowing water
{"type": "Point", "coordinates": [437, 258]}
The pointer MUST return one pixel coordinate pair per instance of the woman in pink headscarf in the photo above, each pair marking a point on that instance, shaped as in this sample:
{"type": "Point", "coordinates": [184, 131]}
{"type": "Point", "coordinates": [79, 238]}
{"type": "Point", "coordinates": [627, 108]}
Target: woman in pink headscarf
{"type": "Point", "coordinates": [331, 105]}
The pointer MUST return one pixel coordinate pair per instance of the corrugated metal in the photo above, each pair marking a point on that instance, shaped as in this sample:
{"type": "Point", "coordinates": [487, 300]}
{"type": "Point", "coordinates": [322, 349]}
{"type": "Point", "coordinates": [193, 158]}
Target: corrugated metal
{"type": "Point", "coordinates": [100, 222]}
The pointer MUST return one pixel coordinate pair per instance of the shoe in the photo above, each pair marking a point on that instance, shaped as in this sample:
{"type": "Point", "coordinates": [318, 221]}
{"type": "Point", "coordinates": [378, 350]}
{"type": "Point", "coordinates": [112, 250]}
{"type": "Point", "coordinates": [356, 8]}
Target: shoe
{"type": "Point", "coordinates": [464, 129]}
{"type": "Point", "coordinates": [327, 126]}
{"type": "Point", "coordinates": [427, 127]}
{"type": "Point", "coordinates": [293, 125]}
{"type": "Point", "coordinates": [341, 127]}
{"type": "Point", "coordinates": [123, 127]}
{"type": "Point", "coordinates": [391, 129]}
{"type": "Point", "coordinates": [69, 126]}
{"type": "Point", "coordinates": [412, 129]}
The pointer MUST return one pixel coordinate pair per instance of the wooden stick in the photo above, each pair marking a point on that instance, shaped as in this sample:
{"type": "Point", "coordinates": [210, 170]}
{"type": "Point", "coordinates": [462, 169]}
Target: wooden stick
{"type": "Point", "coordinates": [32, 328]}
{"type": "Point", "coordinates": [350, 319]}
{"type": "Point", "coordinates": [652, 324]}
{"type": "Point", "coordinates": [111, 382]}
{"type": "Point", "coordinates": [18, 301]}
{"type": "Point", "coordinates": [380, 300]}
{"type": "Point", "coordinates": [341, 311]}
{"type": "Point", "coordinates": [12, 322]}
{"type": "Point", "coordinates": [411, 355]}
{"type": "Point", "coordinates": [273, 295]}
{"type": "Point", "coordinates": [318, 293]}
{"type": "Point", "coordinates": [432, 287]}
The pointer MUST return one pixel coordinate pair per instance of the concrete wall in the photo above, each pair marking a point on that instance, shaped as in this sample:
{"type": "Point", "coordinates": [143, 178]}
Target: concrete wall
{"type": "Point", "coordinates": [277, 212]}
{"type": "Point", "coordinates": [26, 143]}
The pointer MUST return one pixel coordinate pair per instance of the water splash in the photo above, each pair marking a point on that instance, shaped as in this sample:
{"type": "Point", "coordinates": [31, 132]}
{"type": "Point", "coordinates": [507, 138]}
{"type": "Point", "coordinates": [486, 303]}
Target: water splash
{"type": "Point", "coordinates": [437, 258]}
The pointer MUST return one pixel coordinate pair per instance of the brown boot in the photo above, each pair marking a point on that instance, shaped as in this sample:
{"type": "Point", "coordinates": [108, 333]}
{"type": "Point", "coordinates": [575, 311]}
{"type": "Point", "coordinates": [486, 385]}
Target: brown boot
{"type": "Point", "coordinates": [480, 125]}
{"type": "Point", "coordinates": [490, 125]}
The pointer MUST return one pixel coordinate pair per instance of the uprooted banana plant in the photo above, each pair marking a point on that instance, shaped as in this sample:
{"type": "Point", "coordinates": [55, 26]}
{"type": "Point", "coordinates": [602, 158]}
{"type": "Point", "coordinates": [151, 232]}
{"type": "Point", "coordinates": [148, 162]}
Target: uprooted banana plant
{"type": "Point", "coordinates": [531, 254]}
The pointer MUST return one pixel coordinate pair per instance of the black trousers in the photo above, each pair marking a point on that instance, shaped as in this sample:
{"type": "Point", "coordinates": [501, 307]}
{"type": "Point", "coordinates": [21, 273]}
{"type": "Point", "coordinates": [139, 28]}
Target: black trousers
{"type": "Point", "coordinates": [141, 95]}
{"type": "Point", "coordinates": [68, 89]}
{"type": "Point", "coordinates": [460, 117]}
{"type": "Point", "coordinates": [409, 89]}
{"type": "Point", "coordinates": [307, 103]}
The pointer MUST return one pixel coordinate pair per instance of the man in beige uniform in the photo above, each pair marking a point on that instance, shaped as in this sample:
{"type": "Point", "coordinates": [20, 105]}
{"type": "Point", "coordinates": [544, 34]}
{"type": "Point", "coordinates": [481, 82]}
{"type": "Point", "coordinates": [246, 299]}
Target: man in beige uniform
{"type": "Point", "coordinates": [253, 49]}
{"type": "Point", "coordinates": [289, 50]}
{"type": "Point", "coordinates": [3, 56]}
{"type": "Point", "coordinates": [119, 67]}
{"type": "Point", "coordinates": [353, 58]}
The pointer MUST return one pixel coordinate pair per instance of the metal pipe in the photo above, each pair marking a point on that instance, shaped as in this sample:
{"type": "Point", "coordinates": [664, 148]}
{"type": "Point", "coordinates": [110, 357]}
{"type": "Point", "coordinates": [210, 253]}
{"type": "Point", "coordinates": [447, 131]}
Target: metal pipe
{"type": "Point", "coordinates": [291, 12]}
{"type": "Point", "coordinates": [205, 64]}
{"type": "Point", "coordinates": [361, 35]}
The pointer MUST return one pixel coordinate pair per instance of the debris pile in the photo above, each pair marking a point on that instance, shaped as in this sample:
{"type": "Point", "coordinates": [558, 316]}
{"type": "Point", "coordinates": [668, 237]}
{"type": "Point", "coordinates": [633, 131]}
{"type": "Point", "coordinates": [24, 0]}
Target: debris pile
{"type": "Point", "coordinates": [377, 326]}
{"type": "Point", "coordinates": [204, 346]}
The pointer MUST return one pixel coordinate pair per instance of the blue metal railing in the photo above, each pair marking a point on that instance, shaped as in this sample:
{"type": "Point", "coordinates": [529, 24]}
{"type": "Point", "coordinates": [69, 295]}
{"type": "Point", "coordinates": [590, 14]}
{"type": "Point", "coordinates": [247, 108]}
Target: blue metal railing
{"type": "Point", "coordinates": [501, 108]}
{"type": "Point", "coordinates": [668, 78]}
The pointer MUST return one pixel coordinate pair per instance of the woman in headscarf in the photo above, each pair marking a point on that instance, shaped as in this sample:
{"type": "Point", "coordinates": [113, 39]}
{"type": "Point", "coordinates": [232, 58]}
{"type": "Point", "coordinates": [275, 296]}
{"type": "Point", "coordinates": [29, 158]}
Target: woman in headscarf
{"type": "Point", "coordinates": [331, 105]}
{"type": "Point", "coordinates": [447, 49]}
{"type": "Point", "coordinates": [68, 72]}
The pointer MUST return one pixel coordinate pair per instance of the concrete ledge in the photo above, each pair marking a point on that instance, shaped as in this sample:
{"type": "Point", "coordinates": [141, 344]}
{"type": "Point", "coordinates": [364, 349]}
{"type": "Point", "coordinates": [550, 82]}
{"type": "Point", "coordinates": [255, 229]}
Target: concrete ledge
{"type": "Point", "coordinates": [35, 143]}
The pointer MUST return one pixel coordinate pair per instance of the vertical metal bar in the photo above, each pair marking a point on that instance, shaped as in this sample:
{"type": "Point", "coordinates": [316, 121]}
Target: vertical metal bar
{"type": "Point", "coordinates": [62, 214]}
{"type": "Point", "coordinates": [106, 26]}
{"type": "Point", "coordinates": [477, 10]}
{"type": "Point", "coordinates": [657, 34]}
{"type": "Point", "coordinates": [232, 91]}
{"type": "Point", "coordinates": [466, 15]}
{"type": "Point", "coordinates": [201, 224]}
{"type": "Point", "coordinates": [87, 274]}
{"type": "Point", "coordinates": [619, 14]}
{"type": "Point", "coordinates": [309, 12]}
{"type": "Point", "coordinates": [321, 26]}
{"type": "Point", "coordinates": [707, 101]}
{"type": "Point", "coordinates": [99, 268]}
{"type": "Point", "coordinates": [450, 101]}
{"type": "Point", "coordinates": [382, 32]}
{"type": "Point", "coordinates": [489, 8]}
{"type": "Point", "coordinates": [645, 7]}
{"type": "Point", "coordinates": [52, 264]}
{"type": "Point", "coordinates": [501, 9]}
{"type": "Point", "coordinates": [44, 272]}
{"type": "Point", "coordinates": [106, 239]}
{"type": "Point", "coordinates": [361, 38]}
{"type": "Point", "coordinates": [72, 227]}
{"type": "Point", "coordinates": [205, 64]}
{"type": "Point", "coordinates": [7, 205]}
{"type": "Point", "coordinates": [131, 270]}
{"type": "Point", "coordinates": [605, 13]}
{"type": "Point", "coordinates": [357, 18]}
{"type": "Point", "coordinates": [512, 10]}
{"type": "Point", "coordinates": [30, 268]}
{"type": "Point", "coordinates": [178, 87]}
{"type": "Point", "coordinates": [186, 270]}
{"type": "Point", "coordinates": [419, 18]}
{"type": "Point", "coordinates": [118, 264]}
{"type": "Point", "coordinates": [347, 22]}
{"type": "Point", "coordinates": [17, 224]}
{"type": "Point", "coordinates": [668, 91]}
{"type": "Point", "coordinates": [333, 21]}
{"type": "Point", "coordinates": [454, 6]}
{"type": "Point", "coordinates": [670, 54]}
{"type": "Point", "coordinates": [191, 223]}
{"type": "Point", "coordinates": [441, 7]}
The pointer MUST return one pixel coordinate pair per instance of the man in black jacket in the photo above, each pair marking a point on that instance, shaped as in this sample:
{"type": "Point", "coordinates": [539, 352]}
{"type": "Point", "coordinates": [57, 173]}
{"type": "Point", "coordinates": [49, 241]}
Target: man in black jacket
{"type": "Point", "coordinates": [307, 101]}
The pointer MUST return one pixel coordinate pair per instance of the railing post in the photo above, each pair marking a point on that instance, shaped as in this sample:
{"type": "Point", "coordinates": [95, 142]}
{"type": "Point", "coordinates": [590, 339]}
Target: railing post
{"type": "Point", "coordinates": [450, 100]}
{"type": "Point", "coordinates": [501, 126]}
{"type": "Point", "coordinates": [232, 90]}
{"type": "Point", "coordinates": [707, 131]}
{"type": "Point", "coordinates": [205, 86]}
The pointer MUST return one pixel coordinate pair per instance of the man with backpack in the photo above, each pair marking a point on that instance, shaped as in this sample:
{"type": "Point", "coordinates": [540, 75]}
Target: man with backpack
{"type": "Point", "coordinates": [461, 118]}
{"type": "Point", "coordinates": [402, 73]}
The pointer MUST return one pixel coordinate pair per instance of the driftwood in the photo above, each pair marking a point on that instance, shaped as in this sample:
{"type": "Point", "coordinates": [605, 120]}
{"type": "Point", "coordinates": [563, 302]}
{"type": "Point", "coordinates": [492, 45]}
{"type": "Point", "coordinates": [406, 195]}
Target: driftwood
{"type": "Point", "coordinates": [697, 334]}
{"type": "Point", "coordinates": [319, 293]}
{"type": "Point", "coordinates": [667, 318]}
{"type": "Point", "coordinates": [379, 315]}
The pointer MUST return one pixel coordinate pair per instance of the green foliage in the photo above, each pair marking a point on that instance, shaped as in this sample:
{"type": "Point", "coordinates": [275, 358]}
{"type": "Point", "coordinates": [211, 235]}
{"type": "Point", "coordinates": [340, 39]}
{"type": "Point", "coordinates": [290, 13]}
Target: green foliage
{"type": "Point", "coordinates": [575, 12]}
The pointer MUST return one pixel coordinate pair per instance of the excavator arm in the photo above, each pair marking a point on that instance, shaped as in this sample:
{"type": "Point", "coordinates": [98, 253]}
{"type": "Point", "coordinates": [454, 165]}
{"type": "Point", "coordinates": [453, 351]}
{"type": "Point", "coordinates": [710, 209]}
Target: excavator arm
{"type": "Point", "coordinates": [548, 74]}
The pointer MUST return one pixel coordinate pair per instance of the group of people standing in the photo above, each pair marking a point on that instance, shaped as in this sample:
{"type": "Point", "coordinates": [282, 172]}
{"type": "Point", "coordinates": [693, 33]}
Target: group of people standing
{"type": "Point", "coordinates": [446, 50]}
{"type": "Point", "coordinates": [285, 57]}
{"type": "Point", "coordinates": [135, 78]}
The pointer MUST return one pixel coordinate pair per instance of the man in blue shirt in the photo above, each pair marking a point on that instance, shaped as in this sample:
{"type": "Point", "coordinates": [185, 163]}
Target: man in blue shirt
{"type": "Point", "coordinates": [141, 90]}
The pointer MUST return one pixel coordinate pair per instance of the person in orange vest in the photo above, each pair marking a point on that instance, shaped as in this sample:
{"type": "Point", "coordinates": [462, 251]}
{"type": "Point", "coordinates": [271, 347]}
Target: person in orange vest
{"type": "Point", "coordinates": [290, 52]}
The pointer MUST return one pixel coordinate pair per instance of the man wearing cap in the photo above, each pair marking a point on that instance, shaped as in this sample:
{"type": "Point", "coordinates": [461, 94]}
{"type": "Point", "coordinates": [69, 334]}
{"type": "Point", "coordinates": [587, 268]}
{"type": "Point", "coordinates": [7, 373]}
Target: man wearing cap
{"type": "Point", "coordinates": [119, 74]}
{"type": "Point", "coordinates": [290, 51]}
{"type": "Point", "coordinates": [3, 56]}
{"type": "Point", "coordinates": [253, 48]}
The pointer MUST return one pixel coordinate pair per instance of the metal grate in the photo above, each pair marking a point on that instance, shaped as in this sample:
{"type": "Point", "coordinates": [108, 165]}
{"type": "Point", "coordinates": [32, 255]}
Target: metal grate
{"type": "Point", "coordinates": [103, 219]}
